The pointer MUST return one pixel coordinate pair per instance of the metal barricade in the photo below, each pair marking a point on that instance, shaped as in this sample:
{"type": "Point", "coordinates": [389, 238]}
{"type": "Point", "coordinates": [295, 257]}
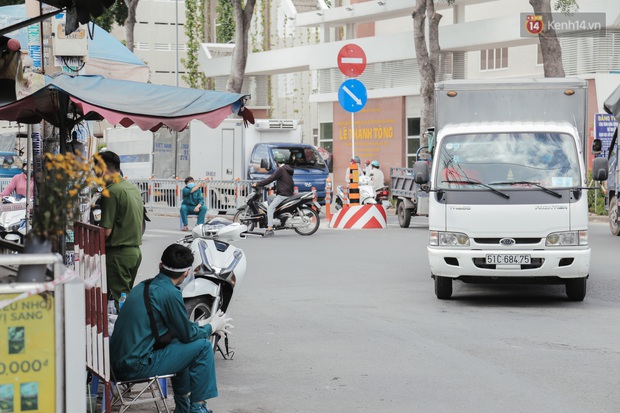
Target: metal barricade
{"type": "Point", "coordinates": [166, 195]}
{"type": "Point", "coordinates": [90, 267]}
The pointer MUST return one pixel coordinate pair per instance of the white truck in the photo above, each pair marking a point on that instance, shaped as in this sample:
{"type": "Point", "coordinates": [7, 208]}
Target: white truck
{"type": "Point", "coordinates": [223, 153]}
{"type": "Point", "coordinates": [508, 198]}
{"type": "Point", "coordinates": [232, 151]}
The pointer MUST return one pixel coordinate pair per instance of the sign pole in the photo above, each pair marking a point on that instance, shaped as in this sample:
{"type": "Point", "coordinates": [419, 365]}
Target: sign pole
{"type": "Point", "coordinates": [352, 135]}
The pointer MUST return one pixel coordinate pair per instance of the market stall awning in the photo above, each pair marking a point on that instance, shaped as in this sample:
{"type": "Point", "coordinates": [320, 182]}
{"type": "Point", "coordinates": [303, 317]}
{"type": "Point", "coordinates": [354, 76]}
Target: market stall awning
{"type": "Point", "coordinates": [121, 102]}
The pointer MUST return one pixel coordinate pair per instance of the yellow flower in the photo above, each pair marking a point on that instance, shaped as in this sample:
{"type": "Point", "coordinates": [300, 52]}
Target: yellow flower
{"type": "Point", "coordinates": [62, 185]}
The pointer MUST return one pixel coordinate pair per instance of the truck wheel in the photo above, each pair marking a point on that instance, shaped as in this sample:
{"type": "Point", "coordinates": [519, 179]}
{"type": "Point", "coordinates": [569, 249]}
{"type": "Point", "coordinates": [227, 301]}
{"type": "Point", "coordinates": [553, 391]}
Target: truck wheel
{"type": "Point", "coordinates": [576, 288]}
{"type": "Point", "coordinates": [443, 287]}
{"type": "Point", "coordinates": [613, 216]}
{"type": "Point", "coordinates": [404, 215]}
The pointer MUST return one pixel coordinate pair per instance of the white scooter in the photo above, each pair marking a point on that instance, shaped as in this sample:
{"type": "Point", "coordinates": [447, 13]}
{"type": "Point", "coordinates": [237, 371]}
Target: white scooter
{"type": "Point", "coordinates": [367, 193]}
{"type": "Point", "coordinates": [13, 218]}
{"type": "Point", "coordinates": [218, 267]}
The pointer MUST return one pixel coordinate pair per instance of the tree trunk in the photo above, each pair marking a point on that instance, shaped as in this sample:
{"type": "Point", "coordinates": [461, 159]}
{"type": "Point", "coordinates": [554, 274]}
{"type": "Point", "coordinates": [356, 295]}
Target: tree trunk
{"type": "Point", "coordinates": [243, 19]}
{"type": "Point", "coordinates": [130, 22]}
{"type": "Point", "coordinates": [549, 43]}
{"type": "Point", "coordinates": [428, 63]}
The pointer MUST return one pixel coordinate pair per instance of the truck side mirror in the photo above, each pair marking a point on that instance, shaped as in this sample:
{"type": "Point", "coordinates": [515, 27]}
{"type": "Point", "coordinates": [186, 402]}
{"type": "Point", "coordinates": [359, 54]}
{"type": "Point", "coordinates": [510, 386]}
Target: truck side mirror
{"type": "Point", "coordinates": [264, 164]}
{"type": "Point", "coordinates": [600, 169]}
{"type": "Point", "coordinates": [420, 172]}
{"type": "Point", "coordinates": [597, 146]}
{"type": "Point", "coordinates": [430, 136]}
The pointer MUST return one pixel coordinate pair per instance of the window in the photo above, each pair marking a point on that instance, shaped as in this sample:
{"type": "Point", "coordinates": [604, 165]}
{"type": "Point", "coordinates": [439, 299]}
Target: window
{"type": "Point", "coordinates": [261, 152]}
{"type": "Point", "coordinates": [413, 140]}
{"type": "Point", "coordinates": [493, 59]}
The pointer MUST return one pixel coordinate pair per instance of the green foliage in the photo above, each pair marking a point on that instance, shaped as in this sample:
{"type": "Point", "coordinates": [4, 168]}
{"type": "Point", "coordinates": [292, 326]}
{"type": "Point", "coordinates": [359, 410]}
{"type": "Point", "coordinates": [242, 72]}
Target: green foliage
{"type": "Point", "coordinates": [599, 208]}
{"type": "Point", "coordinates": [115, 14]}
{"type": "Point", "coordinates": [566, 6]}
{"type": "Point", "coordinates": [225, 31]}
{"type": "Point", "coordinates": [194, 30]}
{"type": "Point", "coordinates": [10, 2]}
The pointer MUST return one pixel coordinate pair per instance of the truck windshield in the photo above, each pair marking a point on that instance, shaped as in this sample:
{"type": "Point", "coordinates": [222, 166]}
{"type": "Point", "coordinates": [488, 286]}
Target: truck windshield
{"type": "Point", "coordinates": [508, 160]}
{"type": "Point", "coordinates": [305, 157]}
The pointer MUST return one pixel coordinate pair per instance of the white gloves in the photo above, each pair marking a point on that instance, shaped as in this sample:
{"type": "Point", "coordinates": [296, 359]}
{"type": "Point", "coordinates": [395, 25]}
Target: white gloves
{"type": "Point", "coordinates": [220, 323]}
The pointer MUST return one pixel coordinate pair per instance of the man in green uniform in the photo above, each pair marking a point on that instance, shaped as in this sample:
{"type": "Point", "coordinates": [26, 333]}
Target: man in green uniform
{"type": "Point", "coordinates": [193, 202]}
{"type": "Point", "coordinates": [122, 213]}
{"type": "Point", "coordinates": [182, 346]}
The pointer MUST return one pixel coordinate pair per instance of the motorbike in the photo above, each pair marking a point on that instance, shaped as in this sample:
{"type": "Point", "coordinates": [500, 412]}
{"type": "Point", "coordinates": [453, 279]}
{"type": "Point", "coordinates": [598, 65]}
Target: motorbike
{"type": "Point", "coordinates": [95, 211]}
{"type": "Point", "coordinates": [383, 196]}
{"type": "Point", "coordinates": [13, 219]}
{"type": "Point", "coordinates": [218, 269]}
{"type": "Point", "coordinates": [298, 212]}
{"type": "Point", "coordinates": [368, 195]}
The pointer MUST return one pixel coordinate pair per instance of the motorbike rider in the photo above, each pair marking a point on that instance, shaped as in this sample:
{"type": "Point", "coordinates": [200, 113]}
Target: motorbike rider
{"type": "Point", "coordinates": [377, 180]}
{"type": "Point", "coordinates": [284, 188]}
{"type": "Point", "coordinates": [18, 184]}
{"type": "Point", "coordinates": [355, 159]}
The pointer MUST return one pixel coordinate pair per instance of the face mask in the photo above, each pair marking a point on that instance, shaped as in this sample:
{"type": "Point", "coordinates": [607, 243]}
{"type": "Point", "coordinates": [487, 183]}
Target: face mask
{"type": "Point", "coordinates": [191, 185]}
{"type": "Point", "coordinates": [189, 281]}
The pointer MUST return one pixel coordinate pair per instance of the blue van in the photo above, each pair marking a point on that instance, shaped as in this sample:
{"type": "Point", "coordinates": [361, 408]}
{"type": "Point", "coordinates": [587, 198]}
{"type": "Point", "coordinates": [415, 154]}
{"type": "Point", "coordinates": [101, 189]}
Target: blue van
{"type": "Point", "coordinates": [310, 168]}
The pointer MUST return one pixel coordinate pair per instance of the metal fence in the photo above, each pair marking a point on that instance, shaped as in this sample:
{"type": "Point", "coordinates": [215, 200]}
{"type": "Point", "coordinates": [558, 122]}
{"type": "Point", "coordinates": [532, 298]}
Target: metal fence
{"type": "Point", "coordinates": [166, 195]}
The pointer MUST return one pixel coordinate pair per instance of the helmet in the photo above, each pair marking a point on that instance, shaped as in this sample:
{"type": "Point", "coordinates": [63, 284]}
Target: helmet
{"type": "Point", "coordinates": [366, 161]}
{"type": "Point", "coordinates": [279, 157]}
{"type": "Point", "coordinates": [375, 164]}
{"type": "Point", "coordinates": [356, 159]}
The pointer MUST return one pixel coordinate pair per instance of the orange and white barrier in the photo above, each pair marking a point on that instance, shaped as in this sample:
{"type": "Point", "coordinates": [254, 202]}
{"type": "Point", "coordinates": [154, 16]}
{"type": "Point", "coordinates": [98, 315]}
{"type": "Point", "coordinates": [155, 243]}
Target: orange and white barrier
{"type": "Point", "coordinates": [370, 216]}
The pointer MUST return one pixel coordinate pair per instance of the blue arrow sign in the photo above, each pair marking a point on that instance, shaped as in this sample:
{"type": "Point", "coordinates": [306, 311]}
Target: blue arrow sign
{"type": "Point", "coordinates": [352, 95]}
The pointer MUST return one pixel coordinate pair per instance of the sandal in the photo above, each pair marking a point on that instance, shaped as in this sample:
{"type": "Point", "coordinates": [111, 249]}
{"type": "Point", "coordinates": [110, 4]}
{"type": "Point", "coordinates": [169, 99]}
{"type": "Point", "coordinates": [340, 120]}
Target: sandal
{"type": "Point", "coordinates": [185, 228]}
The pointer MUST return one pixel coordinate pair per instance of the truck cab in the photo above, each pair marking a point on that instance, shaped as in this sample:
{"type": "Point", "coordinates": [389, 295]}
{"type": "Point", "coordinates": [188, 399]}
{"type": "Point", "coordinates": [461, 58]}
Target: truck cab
{"type": "Point", "coordinates": [310, 168]}
{"type": "Point", "coordinates": [507, 189]}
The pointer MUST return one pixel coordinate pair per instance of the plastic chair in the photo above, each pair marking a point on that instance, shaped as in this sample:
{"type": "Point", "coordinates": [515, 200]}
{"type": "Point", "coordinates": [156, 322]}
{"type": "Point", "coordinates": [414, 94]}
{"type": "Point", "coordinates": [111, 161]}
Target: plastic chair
{"type": "Point", "coordinates": [156, 385]}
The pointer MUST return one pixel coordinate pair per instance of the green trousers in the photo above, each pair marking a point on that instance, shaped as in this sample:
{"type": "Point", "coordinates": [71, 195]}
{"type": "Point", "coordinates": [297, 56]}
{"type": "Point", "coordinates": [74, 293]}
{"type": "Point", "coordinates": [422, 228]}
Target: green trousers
{"type": "Point", "coordinates": [193, 364]}
{"type": "Point", "coordinates": [122, 265]}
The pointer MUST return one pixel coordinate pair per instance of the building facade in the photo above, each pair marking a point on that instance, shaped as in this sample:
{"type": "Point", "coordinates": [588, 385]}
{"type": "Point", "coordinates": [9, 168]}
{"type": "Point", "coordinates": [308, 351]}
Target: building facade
{"type": "Point", "coordinates": [294, 73]}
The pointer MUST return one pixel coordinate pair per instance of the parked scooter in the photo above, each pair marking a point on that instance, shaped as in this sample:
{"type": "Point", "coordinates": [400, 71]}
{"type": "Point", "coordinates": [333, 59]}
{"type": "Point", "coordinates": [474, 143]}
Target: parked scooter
{"type": "Point", "coordinates": [13, 219]}
{"type": "Point", "coordinates": [298, 212]}
{"type": "Point", "coordinates": [383, 196]}
{"type": "Point", "coordinates": [367, 193]}
{"type": "Point", "coordinates": [218, 270]}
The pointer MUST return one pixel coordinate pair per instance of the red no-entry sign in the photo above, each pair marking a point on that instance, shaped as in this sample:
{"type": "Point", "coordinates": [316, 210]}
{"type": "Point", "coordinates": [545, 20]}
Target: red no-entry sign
{"type": "Point", "coordinates": [351, 60]}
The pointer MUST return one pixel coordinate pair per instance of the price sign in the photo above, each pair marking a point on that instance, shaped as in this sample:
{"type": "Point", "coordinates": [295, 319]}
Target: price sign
{"type": "Point", "coordinates": [27, 357]}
